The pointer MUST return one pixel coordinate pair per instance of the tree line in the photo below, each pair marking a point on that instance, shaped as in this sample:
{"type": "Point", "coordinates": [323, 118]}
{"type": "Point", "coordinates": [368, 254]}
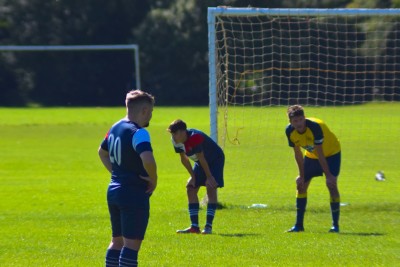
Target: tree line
{"type": "Point", "coordinates": [172, 37]}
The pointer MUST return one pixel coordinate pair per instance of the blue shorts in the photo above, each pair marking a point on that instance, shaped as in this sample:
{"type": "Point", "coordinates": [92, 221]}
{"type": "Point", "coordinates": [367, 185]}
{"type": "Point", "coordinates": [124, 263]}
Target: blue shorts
{"type": "Point", "coordinates": [129, 210]}
{"type": "Point", "coordinates": [312, 168]}
{"type": "Point", "coordinates": [216, 169]}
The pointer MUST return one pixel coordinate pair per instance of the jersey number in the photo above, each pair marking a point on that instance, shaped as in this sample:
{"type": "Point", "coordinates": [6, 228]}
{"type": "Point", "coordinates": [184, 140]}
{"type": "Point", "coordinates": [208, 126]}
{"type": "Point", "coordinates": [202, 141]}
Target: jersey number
{"type": "Point", "coordinates": [114, 145]}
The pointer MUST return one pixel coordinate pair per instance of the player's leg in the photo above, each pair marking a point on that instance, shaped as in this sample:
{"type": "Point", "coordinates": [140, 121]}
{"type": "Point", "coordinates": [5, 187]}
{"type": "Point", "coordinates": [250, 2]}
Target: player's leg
{"type": "Point", "coordinates": [217, 170]}
{"type": "Point", "coordinates": [211, 208]}
{"type": "Point", "coordinates": [301, 204]}
{"type": "Point", "coordinates": [130, 251]}
{"type": "Point", "coordinates": [114, 251]}
{"type": "Point", "coordinates": [331, 183]}
{"type": "Point", "coordinates": [311, 169]}
{"type": "Point", "coordinates": [193, 208]}
{"type": "Point", "coordinates": [135, 213]}
{"type": "Point", "coordinates": [116, 244]}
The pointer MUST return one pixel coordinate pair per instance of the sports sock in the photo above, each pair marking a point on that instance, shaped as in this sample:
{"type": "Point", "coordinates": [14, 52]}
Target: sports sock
{"type": "Point", "coordinates": [128, 257]}
{"type": "Point", "coordinates": [301, 203]}
{"type": "Point", "coordinates": [211, 207]}
{"type": "Point", "coordinates": [335, 209]}
{"type": "Point", "coordinates": [112, 258]}
{"type": "Point", "coordinates": [194, 214]}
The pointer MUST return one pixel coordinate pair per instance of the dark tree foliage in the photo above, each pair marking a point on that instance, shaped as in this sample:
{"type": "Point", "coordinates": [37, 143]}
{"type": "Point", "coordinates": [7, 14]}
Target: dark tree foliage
{"type": "Point", "coordinates": [172, 38]}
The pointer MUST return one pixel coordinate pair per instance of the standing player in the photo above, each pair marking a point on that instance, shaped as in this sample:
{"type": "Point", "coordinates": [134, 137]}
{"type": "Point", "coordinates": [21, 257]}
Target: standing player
{"type": "Point", "coordinates": [127, 154]}
{"type": "Point", "coordinates": [209, 160]}
{"type": "Point", "coordinates": [322, 155]}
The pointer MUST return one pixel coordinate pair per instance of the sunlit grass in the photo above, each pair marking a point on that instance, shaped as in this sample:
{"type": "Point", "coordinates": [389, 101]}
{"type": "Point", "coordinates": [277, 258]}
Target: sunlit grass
{"type": "Point", "coordinates": [53, 208]}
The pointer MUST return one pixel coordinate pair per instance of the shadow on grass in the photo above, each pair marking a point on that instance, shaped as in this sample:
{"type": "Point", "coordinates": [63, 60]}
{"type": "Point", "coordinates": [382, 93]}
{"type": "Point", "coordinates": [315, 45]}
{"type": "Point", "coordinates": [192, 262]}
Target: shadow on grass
{"type": "Point", "coordinates": [363, 234]}
{"type": "Point", "coordinates": [238, 235]}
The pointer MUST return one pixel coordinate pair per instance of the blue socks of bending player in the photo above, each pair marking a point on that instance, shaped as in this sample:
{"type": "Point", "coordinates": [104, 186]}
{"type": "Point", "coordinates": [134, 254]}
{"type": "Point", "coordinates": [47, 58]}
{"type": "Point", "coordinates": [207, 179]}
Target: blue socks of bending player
{"type": "Point", "coordinates": [211, 207]}
{"type": "Point", "coordinates": [194, 214]}
{"type": "Point", "coordinates": [301, 203]}
{"type": "Point", "coordinates": [112, 258]}
{"type": "Point", "coordinates": [128, 257]}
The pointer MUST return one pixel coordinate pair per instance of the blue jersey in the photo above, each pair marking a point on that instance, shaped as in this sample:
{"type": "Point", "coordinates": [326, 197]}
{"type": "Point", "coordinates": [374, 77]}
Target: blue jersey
{"type": "Point", "coordinates": [125, 141]}
{"type": "Point", "coordinates": [197, 142]}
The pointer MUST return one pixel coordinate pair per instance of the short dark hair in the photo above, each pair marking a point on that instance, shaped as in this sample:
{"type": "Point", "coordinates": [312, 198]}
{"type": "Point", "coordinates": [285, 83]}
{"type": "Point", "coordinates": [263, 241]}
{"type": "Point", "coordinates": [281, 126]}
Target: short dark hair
{"type": "Point", "coordinates": [177, 125]}
{"type": "Point", "coordinates": [294, 111]}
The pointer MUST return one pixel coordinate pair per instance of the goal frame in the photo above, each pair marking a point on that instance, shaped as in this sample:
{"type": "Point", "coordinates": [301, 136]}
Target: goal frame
{"type": "Point", "coordinates": [38, 48]}
{"type": "Point", "coordinates": [213, 12]}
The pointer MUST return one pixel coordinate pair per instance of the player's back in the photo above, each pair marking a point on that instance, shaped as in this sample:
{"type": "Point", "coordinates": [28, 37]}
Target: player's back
{"type": "Point", "coordinates": [126, 162]}
{"type": "Point", "coordinates": [210, 149]}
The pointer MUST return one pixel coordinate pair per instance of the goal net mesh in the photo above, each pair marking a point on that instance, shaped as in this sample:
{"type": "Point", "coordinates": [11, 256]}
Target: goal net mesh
{"type": "Point", "coordinates": [344, 69]}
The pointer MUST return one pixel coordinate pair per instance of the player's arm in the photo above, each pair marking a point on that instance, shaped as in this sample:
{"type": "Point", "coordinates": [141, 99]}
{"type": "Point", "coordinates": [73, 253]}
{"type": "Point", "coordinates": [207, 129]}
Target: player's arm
{"type": "Point", "coordinates": [331, 180]}
{"type": "Point", "coordinates": [186, 163]}
{"type": "Point", "coordinates": [322, 160]}
{"type": "Point", "coordinates": [210, 178]}
{"type": "Point", "coordinates": [149, 164]}
{"type": "Point", "coordinates": [105, 159]}
{"type": "Point", "coordinates": [298, 155]}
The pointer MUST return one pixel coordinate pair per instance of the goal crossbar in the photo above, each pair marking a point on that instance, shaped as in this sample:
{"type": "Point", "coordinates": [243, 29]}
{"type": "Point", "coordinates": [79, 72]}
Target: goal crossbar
{"type": "Point", "coordinates": [32, 48]}
{"type": "Point", "coordinates": [214, 11]}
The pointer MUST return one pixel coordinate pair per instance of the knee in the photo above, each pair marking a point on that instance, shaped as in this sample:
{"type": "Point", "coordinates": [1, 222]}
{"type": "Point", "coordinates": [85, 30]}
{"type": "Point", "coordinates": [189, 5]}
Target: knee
{"type": "Point", "coordinates": [332, 185]}
{"type": "Point", "coordinates": [116, 243]}
{"type": "Point", "coordinates": [132, 243]}
{"type": "Point", "coordinates": [191, 191]}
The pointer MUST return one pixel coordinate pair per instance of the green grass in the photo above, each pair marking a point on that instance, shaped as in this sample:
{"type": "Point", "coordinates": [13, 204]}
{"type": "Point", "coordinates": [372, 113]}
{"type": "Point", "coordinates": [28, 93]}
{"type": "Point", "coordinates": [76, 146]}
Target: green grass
{"type": "Point", "coordinates": [53, 205]}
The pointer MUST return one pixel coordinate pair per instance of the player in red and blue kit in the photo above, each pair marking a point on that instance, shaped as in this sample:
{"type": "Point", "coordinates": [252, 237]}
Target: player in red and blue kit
{"type": "Point", "coordinates": [208, 170]}
{"type": "Point", "coordinates": [127, 154]}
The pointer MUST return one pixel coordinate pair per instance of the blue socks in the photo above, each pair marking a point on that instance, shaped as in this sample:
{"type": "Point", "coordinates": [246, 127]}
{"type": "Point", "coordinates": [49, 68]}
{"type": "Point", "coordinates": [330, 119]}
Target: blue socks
{"type": "Point", "coordinates": [301, 204]}
{"type": "Point", "coordinates": [194, 214]}
{"type": "Point", "coordinates": [128, 257]}
{"type": "Point", "coordinates": [335, 209]}
{"type": "Point", "coordinates": [112, 258]}
{"type": "Point", "coordinates": [211, 207]}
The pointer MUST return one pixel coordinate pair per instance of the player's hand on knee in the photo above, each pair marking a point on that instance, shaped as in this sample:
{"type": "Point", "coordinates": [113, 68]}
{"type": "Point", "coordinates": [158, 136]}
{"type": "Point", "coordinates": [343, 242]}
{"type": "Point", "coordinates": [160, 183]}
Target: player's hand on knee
{"type": "Point", "coordinates": [191, 182]}
{"type": "Point", "coordinates": [300, 183]}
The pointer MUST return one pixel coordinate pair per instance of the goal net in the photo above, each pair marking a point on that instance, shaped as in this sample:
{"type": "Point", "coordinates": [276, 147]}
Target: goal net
{"type": "Point", "coordinates": [342, 65]}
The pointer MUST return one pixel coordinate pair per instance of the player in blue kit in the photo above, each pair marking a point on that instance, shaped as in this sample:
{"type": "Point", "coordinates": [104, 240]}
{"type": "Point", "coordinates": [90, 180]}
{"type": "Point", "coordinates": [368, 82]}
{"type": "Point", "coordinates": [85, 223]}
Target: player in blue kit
{"type": "Point", "coordinates": [322, 156]}
{"type": "Point", "coordinates": [208, 170]}
{"type": "Point", "coordinates": [127, 154]}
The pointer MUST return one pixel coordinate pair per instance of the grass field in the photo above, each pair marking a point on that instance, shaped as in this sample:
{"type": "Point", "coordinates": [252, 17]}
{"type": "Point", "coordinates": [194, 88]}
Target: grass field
{"type": "Point", "coordinates": [53, 205]}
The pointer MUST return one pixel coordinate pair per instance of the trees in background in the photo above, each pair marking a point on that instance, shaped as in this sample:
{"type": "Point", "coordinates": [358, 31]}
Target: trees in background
{"type": "Point", "coordinates": [172, 37]}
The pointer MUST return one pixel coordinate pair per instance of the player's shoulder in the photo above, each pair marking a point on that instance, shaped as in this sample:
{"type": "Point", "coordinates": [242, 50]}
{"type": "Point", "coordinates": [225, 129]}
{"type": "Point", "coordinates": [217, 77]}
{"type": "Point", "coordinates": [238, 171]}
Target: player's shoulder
{"type": "Point", "coordinates": [313, 120]}
{"type": "Point", "coordinates": [192, 131]}
{"type": "Point", "coordinates": [123, 123]}
{"type": "Point", "coordinates": [315, 125]}
{"type": "Point", "coordinates": [195, 133]}
{"type": "Point", "coordinates": [289, 129]}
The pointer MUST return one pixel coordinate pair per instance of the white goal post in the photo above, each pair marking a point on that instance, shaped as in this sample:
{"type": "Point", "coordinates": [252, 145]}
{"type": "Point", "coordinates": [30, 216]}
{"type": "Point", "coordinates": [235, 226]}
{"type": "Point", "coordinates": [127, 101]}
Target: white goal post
{"type": "Point", "coordinates": [32, 48]}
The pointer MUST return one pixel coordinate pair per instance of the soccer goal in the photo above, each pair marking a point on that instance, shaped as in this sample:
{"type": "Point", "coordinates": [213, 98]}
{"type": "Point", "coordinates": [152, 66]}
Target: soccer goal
{"type": "Point", "coordinates": [342, 65]}
{"type": "Point", "coordinates": [113, 47]}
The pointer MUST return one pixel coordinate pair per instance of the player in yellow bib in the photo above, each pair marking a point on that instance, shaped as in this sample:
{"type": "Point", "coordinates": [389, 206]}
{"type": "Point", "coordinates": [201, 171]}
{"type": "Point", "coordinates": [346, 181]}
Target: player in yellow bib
{"type": "Point", "coordinates": [322, 156]}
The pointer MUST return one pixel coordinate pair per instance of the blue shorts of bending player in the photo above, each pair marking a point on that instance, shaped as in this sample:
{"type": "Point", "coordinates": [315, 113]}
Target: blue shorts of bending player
{"type": "Point", "coordinates": [312, 168]}
{"type": "Point", "coordinates": [129, 209]}
{"type": "Point", "coordinates": [216, 168]}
